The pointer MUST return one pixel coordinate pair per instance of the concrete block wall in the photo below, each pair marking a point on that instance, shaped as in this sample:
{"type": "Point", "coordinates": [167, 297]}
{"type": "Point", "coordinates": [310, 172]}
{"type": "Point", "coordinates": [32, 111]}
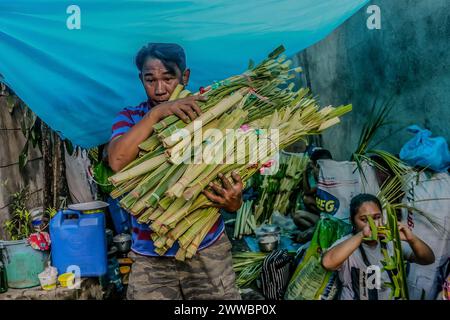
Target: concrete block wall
{"type": "Point", "coordinates": [11, 178]}
{"type": "Point", "coordinates": [407, 59]}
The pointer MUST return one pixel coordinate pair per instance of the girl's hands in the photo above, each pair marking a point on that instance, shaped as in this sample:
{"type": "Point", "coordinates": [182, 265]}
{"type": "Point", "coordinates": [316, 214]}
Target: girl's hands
{"type": "Point", "coordinates": [366, 232]}
{"type": "Point", "coordinates": [405, 233]}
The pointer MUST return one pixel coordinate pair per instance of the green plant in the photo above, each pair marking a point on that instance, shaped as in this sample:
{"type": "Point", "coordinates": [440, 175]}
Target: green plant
{"type": "Point", "coordinates": [19, 226]}
{"type": "Point", "coordinates": [51, 212]}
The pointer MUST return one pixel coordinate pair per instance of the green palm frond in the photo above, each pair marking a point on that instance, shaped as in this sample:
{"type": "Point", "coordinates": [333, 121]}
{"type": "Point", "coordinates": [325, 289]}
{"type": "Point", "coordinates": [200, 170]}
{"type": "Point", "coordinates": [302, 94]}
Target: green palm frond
{"type": "Point", "coordinates": [377, 119]}
{"type": "Point", "coordinates": [435, 224]}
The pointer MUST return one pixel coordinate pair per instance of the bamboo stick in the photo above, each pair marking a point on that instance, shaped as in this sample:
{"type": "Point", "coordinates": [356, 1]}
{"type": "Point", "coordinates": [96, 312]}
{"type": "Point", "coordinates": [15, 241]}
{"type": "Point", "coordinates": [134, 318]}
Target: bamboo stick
{"type": "Point", "coordinates": [142, 168]}
{"type": "Point", "coordinates": [223, 106]}
{"type": "Point", "coordinates": [176, 92]}
{"type": "Point", "coordinates": [193, 247]}
{"type": "Point", "coordinates": [173, 175]}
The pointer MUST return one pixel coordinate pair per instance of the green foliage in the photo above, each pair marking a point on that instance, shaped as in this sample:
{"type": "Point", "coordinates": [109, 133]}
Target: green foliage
{"type": "Point", "coordinates": [378, 118]}
{"type": "Point", "coordinates": [19, 226]}
{"type": "Point", "coordinates": [50, 212]}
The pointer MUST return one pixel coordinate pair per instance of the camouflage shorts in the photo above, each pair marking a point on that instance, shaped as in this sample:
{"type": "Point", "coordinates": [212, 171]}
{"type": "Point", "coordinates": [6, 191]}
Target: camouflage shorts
{"type": "Point", "coordinates": [208, 275]}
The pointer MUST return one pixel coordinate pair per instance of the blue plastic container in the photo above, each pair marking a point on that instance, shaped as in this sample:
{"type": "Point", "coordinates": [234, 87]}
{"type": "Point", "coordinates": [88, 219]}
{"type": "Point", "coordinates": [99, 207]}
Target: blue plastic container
{"type": "Point", "coordinates": [79, 240]}
{"type": "Point", "coordinates": [120, 218]}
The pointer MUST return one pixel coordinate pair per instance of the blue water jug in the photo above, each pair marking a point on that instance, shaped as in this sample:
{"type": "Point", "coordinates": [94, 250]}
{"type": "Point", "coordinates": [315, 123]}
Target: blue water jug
{"type": "Point", "coordinates": [79, 240]}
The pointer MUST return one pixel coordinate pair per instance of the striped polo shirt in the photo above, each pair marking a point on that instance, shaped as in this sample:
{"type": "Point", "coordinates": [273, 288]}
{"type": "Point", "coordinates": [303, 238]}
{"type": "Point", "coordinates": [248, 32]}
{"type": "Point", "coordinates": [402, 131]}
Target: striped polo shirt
{"type": "Point", "coordinates": [141, 233]}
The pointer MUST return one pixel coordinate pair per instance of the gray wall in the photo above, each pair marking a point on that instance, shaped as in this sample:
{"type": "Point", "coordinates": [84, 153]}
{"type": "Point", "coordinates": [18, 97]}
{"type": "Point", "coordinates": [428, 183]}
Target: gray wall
{"type": "Point", "coordinates": [12, 179]}
{"type": "Point", "coordinates": [408, 58]}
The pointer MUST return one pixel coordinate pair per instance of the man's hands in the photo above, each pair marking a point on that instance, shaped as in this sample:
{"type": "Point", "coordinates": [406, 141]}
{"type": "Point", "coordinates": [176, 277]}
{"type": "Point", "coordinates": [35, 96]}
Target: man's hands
{"type": "Point", "coordinates": [228, 196]}
{"type": "Point", "coordinates": [186, 109]}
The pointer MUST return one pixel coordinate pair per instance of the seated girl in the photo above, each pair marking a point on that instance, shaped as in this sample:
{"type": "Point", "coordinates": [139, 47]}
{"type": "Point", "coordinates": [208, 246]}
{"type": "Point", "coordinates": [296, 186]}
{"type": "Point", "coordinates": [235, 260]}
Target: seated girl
{"type": "Point", "coordinates": [358, 261]}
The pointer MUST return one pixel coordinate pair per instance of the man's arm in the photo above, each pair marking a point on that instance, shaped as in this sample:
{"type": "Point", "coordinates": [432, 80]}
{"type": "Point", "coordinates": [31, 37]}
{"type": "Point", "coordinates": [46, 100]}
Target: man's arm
{"type": "Point", "coordinates": [124, 149]}
{"type": "Point", "coordinates": [336, 256]}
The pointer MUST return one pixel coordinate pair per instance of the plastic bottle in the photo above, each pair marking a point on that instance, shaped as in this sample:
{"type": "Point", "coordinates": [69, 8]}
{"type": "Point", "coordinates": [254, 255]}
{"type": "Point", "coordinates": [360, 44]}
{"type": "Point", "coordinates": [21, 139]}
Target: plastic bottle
{"type": "Point", "coordinates": [114, 274]}
{"type": "Point", "coordinates": [3, 279]}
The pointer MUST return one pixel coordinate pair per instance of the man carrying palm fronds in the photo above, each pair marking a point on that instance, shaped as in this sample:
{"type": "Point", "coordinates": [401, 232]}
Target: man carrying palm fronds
{"type": "Point", "coordinates": [209, 274]}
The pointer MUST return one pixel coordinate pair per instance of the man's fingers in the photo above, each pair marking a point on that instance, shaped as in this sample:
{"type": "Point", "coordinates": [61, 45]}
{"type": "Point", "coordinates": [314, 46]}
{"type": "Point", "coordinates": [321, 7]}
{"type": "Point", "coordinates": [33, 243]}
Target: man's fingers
{"type": "Point", "coordinates": [189, 111]}
{"type": "Point", "coordinates": [180, 114]}
{"type": "Point", "coordinates": [214, 198]}
{"type": "Point", "coordinates": [219, 190]}
{"type": "Point", "coordinates": [225, 182]}
{"type": "Point", "coordinates": [196, 108]}
{"type": "Point", "coordinates": [236, 178]}
{"type": "Point", "coordinates": [200, 98]}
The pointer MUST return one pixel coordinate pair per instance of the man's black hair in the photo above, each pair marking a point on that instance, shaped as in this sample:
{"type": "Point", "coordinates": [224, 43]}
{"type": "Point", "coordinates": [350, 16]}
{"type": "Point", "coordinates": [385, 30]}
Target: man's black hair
{"type": "Point", "coordinates": [171, 55]}
{"type": "Point", "coordinates": [358, 201]}
{"type": "Point", "coordinates": [319, 154]}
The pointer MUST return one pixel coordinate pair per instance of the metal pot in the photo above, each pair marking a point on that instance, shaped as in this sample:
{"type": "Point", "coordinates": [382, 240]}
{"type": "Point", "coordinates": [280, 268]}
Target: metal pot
{"type": "Point", "coordinates": [122, 242]}
{"type": "Point", "coordinates": [268, 243]}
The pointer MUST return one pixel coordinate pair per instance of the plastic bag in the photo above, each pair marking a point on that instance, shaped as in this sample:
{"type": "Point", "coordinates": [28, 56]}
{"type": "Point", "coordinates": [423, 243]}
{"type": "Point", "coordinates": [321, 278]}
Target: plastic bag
{"type": "Point", "coordinates": [284, 222]}
{"type": "Point", "coordinates": [101, 174]}
{"type": "Point", "coordinates": [310, 280]}
{"type": "Point", "coordinates": [430, 195]}
{"type": "Point", "coordinates": [425, 151]}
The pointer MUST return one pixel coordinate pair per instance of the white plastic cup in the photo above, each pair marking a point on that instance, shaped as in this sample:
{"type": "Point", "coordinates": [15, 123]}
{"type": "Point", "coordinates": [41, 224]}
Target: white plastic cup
{"type": "Point", "coordinates": [48, 278]}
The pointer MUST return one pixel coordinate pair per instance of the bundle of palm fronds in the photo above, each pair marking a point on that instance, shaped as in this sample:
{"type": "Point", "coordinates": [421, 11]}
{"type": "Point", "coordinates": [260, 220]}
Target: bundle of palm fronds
{"type": "Point", "coordinates": [245, 223]}
{"type": "Point", "coordinates": [276, 190]}
{"type": "Point", "coordinates": [393, 262]}
{"type": "Point", "coordinates": [164, 185]}
{"type": "Point", "coordinates": [247, 266]}
{"type": "Point", "coordinates": [296, 166]}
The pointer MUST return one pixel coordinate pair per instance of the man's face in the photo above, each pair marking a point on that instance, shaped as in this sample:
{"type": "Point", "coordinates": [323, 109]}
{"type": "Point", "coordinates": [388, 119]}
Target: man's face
{"type": "Point", "coordinates": [159, 83]}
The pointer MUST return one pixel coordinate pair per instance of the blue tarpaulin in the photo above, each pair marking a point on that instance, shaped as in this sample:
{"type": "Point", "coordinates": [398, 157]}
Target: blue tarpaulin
{"type": "Point", "coordinates": [72, 62]}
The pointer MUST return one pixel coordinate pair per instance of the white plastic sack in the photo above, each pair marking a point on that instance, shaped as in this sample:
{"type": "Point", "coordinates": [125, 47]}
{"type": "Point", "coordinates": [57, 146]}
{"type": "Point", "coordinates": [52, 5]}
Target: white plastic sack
{"type": "Point", "coordinates": [429, 189]}
{"type": "Point", "coordinates": [339, 182]}
{"type": "Point", "coordinates": [285, 223]}
{"type": "Point", "coordinates": [81, 188]}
